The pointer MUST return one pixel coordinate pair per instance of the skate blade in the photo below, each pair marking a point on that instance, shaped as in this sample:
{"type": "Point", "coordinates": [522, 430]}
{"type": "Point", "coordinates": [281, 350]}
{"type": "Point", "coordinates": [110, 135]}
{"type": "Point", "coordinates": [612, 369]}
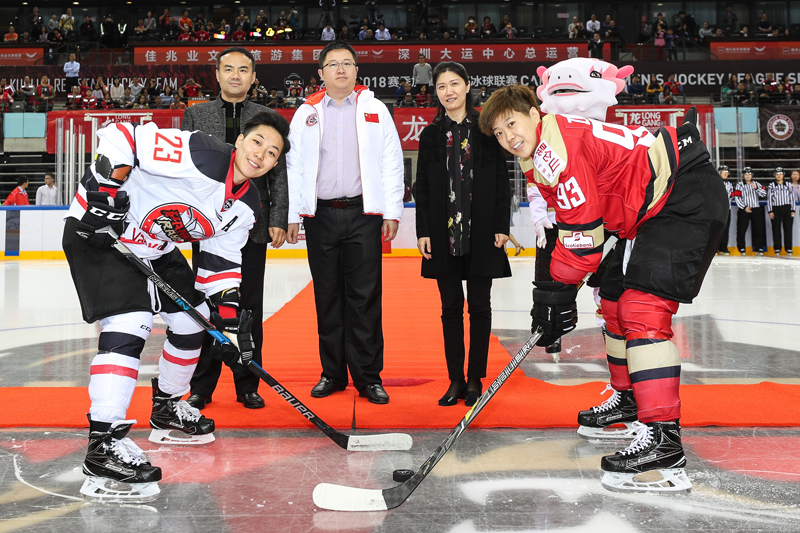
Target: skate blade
{"type": "Point", "coordinates": [174, 436]}
{"type": "Point", "coordinates": [611, 433]}
{"type": "Point", "coordinates": [667, 481]}
{"type": "Point", "coordinates": [105, 490]}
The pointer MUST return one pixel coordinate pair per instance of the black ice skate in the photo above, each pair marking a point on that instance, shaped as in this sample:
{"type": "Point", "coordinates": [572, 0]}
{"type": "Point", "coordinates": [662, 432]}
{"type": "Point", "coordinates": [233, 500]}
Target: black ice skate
{"type": "Point", "coordinates": [176, 422]}
{"type": "Point", "coordinates": [554, 350]}
{"type": "Point", "coordinates": [611, 420]}
{"type": "Point", "coordinates": [118, 469]}
{"type": "Point", "coordinates": [654, 462]}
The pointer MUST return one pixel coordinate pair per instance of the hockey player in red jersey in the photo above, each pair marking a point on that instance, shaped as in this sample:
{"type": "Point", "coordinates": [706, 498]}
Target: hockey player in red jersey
{"type": "Point", "coordinates": [661, 196]}
{"type": "Point", "coordinates": [157, 188]}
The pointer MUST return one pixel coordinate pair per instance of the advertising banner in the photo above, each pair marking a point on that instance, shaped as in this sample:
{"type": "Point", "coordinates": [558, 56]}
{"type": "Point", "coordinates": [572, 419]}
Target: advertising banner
{"type": "Point", "coordinates": [778, 127]}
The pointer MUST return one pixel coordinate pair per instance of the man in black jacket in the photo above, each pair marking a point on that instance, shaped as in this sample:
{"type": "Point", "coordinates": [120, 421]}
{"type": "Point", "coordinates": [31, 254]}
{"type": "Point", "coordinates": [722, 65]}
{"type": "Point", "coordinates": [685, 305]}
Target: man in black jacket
{"type": "Point", "coordinates": [223, 119]}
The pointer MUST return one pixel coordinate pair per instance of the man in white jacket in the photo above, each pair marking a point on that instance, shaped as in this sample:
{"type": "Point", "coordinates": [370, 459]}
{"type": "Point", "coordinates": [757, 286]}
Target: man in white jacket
{"type": "Point", "coordinates": [346, 182]}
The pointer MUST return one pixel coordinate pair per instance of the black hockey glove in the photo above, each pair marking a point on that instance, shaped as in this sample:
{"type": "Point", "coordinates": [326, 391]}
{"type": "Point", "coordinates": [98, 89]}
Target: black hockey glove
{"type": "Point", "coordinates": [234, 324]}
{"type": "Point", "coordinates": [103, 210]}
{"type": "Point", "coordinates": [554, 310]}
{"type": "Point", "coordinates": [227, 353]}
{"type": "Point", "coordinates": [245, 337]}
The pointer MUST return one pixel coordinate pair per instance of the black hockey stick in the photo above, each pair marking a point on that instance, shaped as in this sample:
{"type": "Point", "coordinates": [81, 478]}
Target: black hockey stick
{"type": "Point", "coordinates": [385, 442]}
{"type": "Point", "coordinates": [341, 498]}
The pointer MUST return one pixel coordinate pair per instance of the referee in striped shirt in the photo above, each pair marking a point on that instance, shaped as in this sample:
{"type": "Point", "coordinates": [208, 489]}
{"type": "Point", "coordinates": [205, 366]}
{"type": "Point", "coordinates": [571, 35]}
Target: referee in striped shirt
{"type": "Point", "coordinates": [724, 172]}
{"type": "Point", "coordinates": [747, 195]}
{"type": "Point", "coordinates": [780, 206]}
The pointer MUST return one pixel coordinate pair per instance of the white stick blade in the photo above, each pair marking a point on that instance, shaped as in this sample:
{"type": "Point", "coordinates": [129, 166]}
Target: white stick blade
{"type": "Point", "coordinates": [386, 442]}
{"type": "Point", "coordinates": [341, 498]}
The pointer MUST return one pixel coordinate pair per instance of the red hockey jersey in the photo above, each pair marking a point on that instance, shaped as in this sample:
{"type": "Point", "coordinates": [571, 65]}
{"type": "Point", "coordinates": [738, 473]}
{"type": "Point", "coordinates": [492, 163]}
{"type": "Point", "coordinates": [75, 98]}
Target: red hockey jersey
{"type": "Point", "coordinates": [598, 175]}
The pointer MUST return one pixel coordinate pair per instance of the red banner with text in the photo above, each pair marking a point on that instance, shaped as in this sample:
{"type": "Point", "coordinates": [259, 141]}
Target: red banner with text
{"type": "Point", "coordinates": [17, 57]}
{"type": "Point", "coordinates": [754, 50]}
{"type": "Point", "coordinates": [270, 54]}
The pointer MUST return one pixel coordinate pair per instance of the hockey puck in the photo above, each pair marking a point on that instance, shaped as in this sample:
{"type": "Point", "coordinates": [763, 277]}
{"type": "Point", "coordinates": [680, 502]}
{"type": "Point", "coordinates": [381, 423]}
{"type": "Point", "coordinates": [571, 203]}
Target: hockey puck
{"type": "Point", "coordinates": [402, 475]}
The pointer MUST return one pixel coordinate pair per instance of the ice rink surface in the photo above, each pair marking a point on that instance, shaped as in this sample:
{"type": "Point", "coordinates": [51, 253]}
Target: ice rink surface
{"type": "Point", "coordinates": [743, 328]}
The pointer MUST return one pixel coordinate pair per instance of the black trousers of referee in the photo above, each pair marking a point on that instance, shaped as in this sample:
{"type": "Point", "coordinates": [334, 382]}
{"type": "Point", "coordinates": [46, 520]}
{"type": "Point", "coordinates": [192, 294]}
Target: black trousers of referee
{"type": "Point", "coordinates": [723, 243]}
{"type": "Point", "coordinates": [782, 219]}
{"type": "Point", "coordinates": [206, 375]}
{"type": "Point", "coordinates": [344, 254]}
{"type": "Point", "coordinates": [758, 230]}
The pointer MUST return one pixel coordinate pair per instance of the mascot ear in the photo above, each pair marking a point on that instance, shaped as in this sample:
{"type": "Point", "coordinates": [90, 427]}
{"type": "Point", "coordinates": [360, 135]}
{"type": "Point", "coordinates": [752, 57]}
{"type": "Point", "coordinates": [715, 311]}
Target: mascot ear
{"type": "Point", "coordinates": [539, 92]}
{"type": "Point", "coordinates": [624, 72]}
{"type": "Point", "coordinates": [541, 70]}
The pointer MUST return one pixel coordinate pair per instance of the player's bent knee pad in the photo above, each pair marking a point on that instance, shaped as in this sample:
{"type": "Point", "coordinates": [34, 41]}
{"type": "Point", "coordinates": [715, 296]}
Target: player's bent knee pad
{"type": "Point", "coordinates": [640, 312]}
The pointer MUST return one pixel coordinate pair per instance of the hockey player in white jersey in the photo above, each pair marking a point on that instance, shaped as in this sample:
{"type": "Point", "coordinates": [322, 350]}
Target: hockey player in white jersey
{"type": "Point", "coordinates": [155, 188]}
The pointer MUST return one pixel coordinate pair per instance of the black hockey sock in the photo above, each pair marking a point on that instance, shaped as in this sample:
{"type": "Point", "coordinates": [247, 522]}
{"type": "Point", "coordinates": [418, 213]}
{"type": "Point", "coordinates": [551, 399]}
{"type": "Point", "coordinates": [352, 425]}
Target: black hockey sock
{"type": "Point", "coordinates": [98, 427]}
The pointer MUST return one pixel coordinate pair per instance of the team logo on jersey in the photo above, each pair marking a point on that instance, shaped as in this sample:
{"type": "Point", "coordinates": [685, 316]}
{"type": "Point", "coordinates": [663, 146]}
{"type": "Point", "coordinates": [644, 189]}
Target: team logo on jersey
{"type": "Point", "coordinates": [228, 204]}
{"type": "Point", "coordinates": [178, 223]}
{"type": "Point", "coordinates": [780, 127]}
{"type": "Point", "coordinates": [547, 162]}
{"type": "Point", "coordinates": [311, 120]}
{"type": "Point", "coordinates": [578, 241]}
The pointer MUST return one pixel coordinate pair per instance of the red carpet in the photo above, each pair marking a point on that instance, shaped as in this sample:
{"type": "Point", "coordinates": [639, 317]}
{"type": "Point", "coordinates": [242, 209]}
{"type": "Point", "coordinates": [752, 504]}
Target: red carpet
{"type": "Point", "coordinates": [415, 376]}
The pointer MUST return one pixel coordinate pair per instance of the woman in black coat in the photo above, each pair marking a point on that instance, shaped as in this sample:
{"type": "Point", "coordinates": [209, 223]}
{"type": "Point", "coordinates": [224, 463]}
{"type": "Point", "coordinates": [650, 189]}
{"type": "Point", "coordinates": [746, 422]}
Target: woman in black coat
{"type": "Point", "coordinates": [463, 198]}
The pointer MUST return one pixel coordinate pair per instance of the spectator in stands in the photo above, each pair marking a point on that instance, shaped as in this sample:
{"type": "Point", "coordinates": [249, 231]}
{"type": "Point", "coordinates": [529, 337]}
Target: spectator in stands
{"type": "Point", "coordinates": [87, 31]}
{"type": "Point", "coordinates": [421, 74]}
{"type": "Point", "coordinates": [294, 19]}
{"type": "Point", "coordinates": [705, 32]}
{"type": "Point", "coordinates": [764, 25]}
{"type": "Point", "coordinates": [312, 87]}
{"type": "Point", "coordinates": [45, 95]}
{"type": "Point", "coordinates": [127, 100]}
{"type": "Point", "coordinates": [185, 22]}
{"type": "Point", "coordinates": [52, 24]}
{"type": "Point", "coordinates": [35, 20]}
{"type": "Point", "coordinates": [488, 29]}
{"type": "Point", "coordinates": [750, 86]}
{"type": "Point", "coordinates": [185, 36]}
{"type": "Point", "coordinates": [726, 97]}
{"type": "Point", "coordinates": [781, 95]}
{"type": "Point", "coordinates": [328, 34]}
{"type": "Point", "coordinates": [243, 20]}
{"type": "Point", "coordinates": [199, 19]}
{"type": "Point", "coordinates": [671, 44]}
{"type": "Point", "coordinates": [44, 35]}
{"type": "Point", "coordinates": [135, 86]}
{"type": "Point", "coordinates": [19, 196]}
{"type": "Point", "coordinates": [239, 34]}
{"type": "Point", "coordinates": [423, 98]}
{"type": "Point", "coordinates": [765, 92]}
{"type": "Point", "coordinates": [605, 25]}
{"type": "Point", "coordinates": [482, 96]}
{"type": "Point", "coordinates": [596, 46]}
{"type": "Point", "coordinates": [794, 99]}
{"type": "Point", "coordinates": [97, 92]}
{"type": "Point", "coordinates": [67, 23]}
{"type": "Point", "coordinates": [116, 90]}
{"type": "Point", "coordinates": [191, 88]}
{"type": "Point", "coordinates": [654, 88]}
{"type": "Point", "coordinates": [718, 33]}
{"type": "Point", "coordinates": [505, 21]}
{"type": "Point", "coordinates": [7, 95]}
{"type": "Point", "coordinates": [47, 194]}
{"type": "Point", "coordinates": [345, 34]}
{"type": "Point", "coordinates": [383, 34]}
{"type": "Point", "coordinates": [445, 36]}
{"type": "Point", "coordinates": [141, 102]}
{"type": "Point", "coordinates": [578, 31]}
{"type": "Point", "coordinates": [223, 27]}
{"type": "Point", "coordinates": [659, 21]}
{"type": "Point", "coordinates": [12, 36]}
{"type": "Point", "coordinates": [150, 22]}
{"type": "Point", "coordinates": [593, 25]}
{"type": "Point", "coordinates": [685, 37]}
{"type": "Point", "coordinates": [408, 101]}
{"type": "Point", "coordinates": [729, 18]}
{"type": "Point", "coordinates": [636, 90]}
{"type": "Point", "coordinates": [202, 34]}
{"type": "Point", "coordinates": [28, 91]}
{"type": "Point", "coordinates": [74, 98]}
{"type": "Point", "coordinates": [666, 97]}
{"type": "Point", "coordinates": [674, 85]}
{"type": "Point", "coordinates": [745, 32]}
{"type": "Point", "coordinates": [471, 27]}
{"type": "Point", "coordinates": [57, 41]}
{"type": "Point", "coordinates": [273, 100]}
{"type": "Point", "coordinates": [72, 69]}
{"type": "Point", "coordinates": [659, 41]}
{"type": "Point", "coordinates": [108, 32]}
{"type": "Point", "coordinates": [163, 19]}
{"type": "Point", "coordinates": [741, 97]}
{"type": "Point", "coordinates": [509, 32]}
{"type": "Point", "coordinates": [401, 91]}
{"type": "Point", "coordinates": [140, 31]}
{"type": "Point", "coordinates": [180, 100]}
{"type": "Point", "coordinates": [166, 96]}
{"type": "Point", "coordinates": [171, 30]}
{"type": "Point", "coordinates": [85, 88]}
{"type": "Point", "coordinates": [571, 28]}
{"type": "Point", "coordinates": [295, 98]}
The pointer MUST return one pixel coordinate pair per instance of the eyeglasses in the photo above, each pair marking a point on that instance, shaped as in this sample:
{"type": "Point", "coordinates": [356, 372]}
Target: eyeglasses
{"type": "Point", "coordinates": [334, 65]}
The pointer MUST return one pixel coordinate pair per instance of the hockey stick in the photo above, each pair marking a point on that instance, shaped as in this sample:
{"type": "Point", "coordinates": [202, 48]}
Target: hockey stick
{"type": "Point", "coordinates": [384, 442]}
{"type": "Point", "coordinates": [341, 498]}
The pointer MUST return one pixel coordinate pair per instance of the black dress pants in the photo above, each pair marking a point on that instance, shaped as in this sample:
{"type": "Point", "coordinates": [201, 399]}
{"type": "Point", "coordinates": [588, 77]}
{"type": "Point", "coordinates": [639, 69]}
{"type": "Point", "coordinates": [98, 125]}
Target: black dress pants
{"type": "Point", "coordinates": [479, 306]}
{"type": "Point", "coordinates": [783, 219]}
{"type": "Point", "coordinates": [206, 374]}
{"type": "Point", "coordinates": [758, 233]}
{"type": "Point", "coordinates": [344, 255]}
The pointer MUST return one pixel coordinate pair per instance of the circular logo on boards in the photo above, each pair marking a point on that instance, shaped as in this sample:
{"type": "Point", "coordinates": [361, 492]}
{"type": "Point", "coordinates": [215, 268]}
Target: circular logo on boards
{"type": "Point", "coordinates": [780, 127]}
{"type": "Point", "coordinates": [178, 222]}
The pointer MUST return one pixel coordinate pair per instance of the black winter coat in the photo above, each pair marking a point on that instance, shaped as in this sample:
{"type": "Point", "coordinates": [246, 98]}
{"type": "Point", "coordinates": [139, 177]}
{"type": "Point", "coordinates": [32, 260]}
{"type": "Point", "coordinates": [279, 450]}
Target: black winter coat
{"type": "Point", "coordinates": [491, 201]}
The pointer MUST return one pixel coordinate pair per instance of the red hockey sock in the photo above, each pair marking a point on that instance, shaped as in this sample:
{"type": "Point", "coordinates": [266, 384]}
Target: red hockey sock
{"type": "Point", "coordinates": [615, 347]}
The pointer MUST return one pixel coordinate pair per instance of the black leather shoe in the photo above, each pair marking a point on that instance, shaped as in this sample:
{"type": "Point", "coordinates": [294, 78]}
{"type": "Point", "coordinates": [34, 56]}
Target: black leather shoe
{"type": "Point", "coordinates": [251, 400]}
{"type": "Point", "coordinates": [198, 401]}
{"type": "Point", "coordinates": [325, 387]}
{"type": "Point", "coordinates": [375, 394]}
{"type": "Point", "coordinates": [471, 396]}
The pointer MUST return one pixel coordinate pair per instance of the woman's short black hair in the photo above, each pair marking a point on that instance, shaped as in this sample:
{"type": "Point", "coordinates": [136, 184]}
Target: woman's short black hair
{"type": "Point", "coordinates": [460, 71]}
{"type": "Point", "coordinates": [272, 120]}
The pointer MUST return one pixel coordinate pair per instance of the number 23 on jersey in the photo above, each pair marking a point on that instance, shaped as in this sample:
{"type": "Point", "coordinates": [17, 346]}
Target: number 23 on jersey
{"type": "Point", "coordinates": [169, 150]}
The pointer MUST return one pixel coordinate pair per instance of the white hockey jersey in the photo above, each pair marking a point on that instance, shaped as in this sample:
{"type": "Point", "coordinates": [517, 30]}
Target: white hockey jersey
{"type": "Point", "coordinates": [180, 190]}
